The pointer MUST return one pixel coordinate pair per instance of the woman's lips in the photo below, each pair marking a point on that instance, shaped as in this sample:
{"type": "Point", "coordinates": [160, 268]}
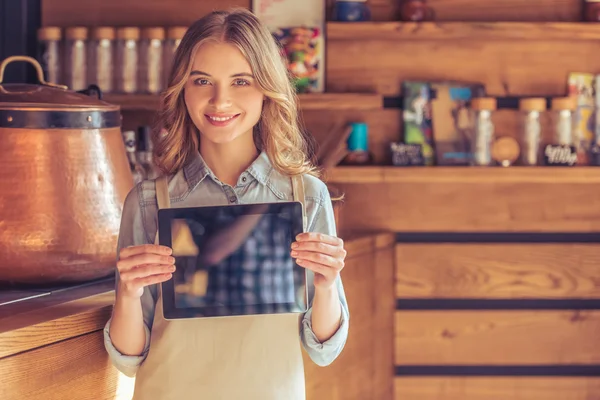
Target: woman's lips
{"type": "Point", "coordinates": [221, 119]}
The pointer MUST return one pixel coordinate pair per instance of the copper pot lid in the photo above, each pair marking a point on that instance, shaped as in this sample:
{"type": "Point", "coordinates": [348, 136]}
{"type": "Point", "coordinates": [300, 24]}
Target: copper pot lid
{"type": "Point", "coordinates": [51, 106]}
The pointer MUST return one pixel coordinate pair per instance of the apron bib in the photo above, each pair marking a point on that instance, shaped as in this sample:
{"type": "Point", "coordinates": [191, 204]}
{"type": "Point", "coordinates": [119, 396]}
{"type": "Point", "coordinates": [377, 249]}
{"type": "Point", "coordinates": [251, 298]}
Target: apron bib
{"type": "Point", "coordinates": [255, 357]}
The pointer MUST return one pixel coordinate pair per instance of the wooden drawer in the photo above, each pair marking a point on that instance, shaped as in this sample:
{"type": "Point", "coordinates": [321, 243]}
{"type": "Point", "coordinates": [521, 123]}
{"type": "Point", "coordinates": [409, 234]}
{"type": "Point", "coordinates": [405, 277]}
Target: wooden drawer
{"type": "Point", "coordinates": [496, 388]}
{"type": "Point", "coordinates": [76, 368]}
{"type": "Point", "coordinates": [496, 337]}
{"type": "Point", "coordinates": [483, 270]}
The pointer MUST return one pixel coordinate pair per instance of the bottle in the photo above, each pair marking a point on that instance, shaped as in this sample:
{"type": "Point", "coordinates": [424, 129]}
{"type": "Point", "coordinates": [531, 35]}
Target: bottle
{"type": "Point", "coordinates": [50, 53]}
{"type": "Point", "coordinates": [101, 58]}
{"type": "Point", "coordinates": [145, 149]}
{"type": "Point", "coordinates": [531, 109]}
{"type": "Point", "coordinates": [137, 171]}
{"type": "Point", "coordinates": [483, 109]}
{"type": "Point", "coordinates": [358, 145]}
{"type": "Point", "coordinates": [76, 57]}
{"type": "Point", "coordinates": [151, 60]}
{"type": "Point", "coordinates": [127, 60]}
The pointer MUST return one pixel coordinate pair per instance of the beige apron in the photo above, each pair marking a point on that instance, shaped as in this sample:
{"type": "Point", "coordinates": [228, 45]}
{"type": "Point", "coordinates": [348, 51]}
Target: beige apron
{"type": "Point", "coordinates": [230, 358]}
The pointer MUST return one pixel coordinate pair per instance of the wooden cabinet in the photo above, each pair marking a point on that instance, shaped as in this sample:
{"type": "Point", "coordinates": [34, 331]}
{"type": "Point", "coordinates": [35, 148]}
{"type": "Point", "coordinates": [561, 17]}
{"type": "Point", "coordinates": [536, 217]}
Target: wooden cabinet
{"type": "Point", "coordinates": [52, 347]}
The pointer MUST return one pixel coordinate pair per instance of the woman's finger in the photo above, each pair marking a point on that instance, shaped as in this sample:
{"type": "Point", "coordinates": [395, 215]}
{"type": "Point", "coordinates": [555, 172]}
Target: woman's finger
{"type": "Point", "coordinates": [146, 270]}
{"type": "Point", "coordinates": [144, 248]}
{"type": "Point", "coordinates": [319, 258]}
{"type": "Point", "coordinates": [143, 258]}
{"type": "Point", "coordinates": [324, 270]}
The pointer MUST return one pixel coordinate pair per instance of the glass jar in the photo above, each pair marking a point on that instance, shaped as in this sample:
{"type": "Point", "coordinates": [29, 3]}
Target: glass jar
{"type": "Point", "coordinates": [75, 57]}
{"type": "Point", "coordinates": [151, 60]}
{"type": "Point", "coordinates": [562, 118]}
{"type": "Point", "coordinates": [591, 10]}
{"type": "Point", "coordinates": [483, 129]}
{"type": "Point", "coordinates": [127, 59]}
{"type": "Point", "coordinates": [531, 110]}
{"type": "Point", "coordinates": [101, 58]}
{"type": "Point", "coordinates": [50, 54]}
{"type": "Point", "coordinates": [174, 36]}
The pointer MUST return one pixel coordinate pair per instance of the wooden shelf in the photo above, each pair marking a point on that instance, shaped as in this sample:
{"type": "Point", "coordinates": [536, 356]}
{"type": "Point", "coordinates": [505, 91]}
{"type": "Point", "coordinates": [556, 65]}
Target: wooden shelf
{"type": "Point", "coordinates": [312, 101]}
{"type": "Point", "coordinates": [391, 174]}
{"type": "Point", "coordinates": [463, 30]}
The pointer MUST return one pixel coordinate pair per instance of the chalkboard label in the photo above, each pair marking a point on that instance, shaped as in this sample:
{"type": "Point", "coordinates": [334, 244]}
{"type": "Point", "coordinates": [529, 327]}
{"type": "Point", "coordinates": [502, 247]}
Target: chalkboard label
{"type": "Point", "coordinates": [406, 154]}
{"type": "Point", "coordinates": [560, 155]}
{"type": "Point", "coordinates": [595, 155]}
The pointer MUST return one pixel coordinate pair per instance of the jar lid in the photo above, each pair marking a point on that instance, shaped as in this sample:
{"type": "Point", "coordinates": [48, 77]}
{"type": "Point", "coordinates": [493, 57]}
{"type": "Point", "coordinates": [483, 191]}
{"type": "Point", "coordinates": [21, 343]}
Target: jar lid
{"type": "Point", "coordinates": [76, 33]}
{"type": "Point", "coordinates": [564, 103]}
{"type": "Point", "coordinates": [533, 104]}
{"type": "Point", "coordinates": [176, 32]}
{"type": "Point", "coordinates": [104, 32]}
{"type": "Point", "coordinates": [153, 33]}
{"type": "Point", "coordinates": [49, 105]}
{"type": "Point", "coordinates": [49, 33]}
{"type": "Point", "coordinates": [128, 33]}
{"type": "Point", "coordinates": [484, 103]}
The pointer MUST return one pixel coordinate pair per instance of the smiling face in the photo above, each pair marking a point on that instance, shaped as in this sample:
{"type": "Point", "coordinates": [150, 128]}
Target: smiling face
{"type": "Point", "coordinates": [221, 94]}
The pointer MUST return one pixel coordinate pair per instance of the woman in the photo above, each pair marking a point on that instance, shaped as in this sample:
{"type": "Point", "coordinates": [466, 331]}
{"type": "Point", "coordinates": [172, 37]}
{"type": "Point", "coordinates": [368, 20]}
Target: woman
{"type": "Point", "coordinates": [230, 136]}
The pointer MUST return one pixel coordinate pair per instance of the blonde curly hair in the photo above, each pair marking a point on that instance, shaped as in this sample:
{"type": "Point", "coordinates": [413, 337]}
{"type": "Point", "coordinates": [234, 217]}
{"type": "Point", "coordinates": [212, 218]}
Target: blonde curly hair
{"type": "Point", "coordinates": [278, 131]}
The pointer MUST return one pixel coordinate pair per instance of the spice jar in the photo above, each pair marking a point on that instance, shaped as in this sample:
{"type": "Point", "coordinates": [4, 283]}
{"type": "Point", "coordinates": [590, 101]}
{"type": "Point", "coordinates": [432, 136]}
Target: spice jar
{"type": "Point", "coordinates": [562, 118]}
{"type": "Point", "coordinates": [174, 36]}
{"type": "Point", "coordinates": [127, 59]}
{"type": "Point", "coordinates": [75, 57]}
{"type": "Point", "coordinates": [591, 10]}
{"type": "Point", "coordinates": [151, 60]}
{"type": "Point", "coordinates": [49, 41]}
{"type": "Point", "coordinates": [483, 132]}
{"type": "Point", "coordinates": [416, 11]}
{"type": "Point", "coordinates": [531, 110]}
{"type": "Point", "coordinates": [101, 58]}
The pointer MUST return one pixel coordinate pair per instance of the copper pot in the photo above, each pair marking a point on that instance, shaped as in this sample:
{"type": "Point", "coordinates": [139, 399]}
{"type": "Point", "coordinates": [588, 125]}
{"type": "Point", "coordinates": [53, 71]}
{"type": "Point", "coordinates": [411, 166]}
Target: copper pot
{"type": "Point", "coordinates": [64, 176]}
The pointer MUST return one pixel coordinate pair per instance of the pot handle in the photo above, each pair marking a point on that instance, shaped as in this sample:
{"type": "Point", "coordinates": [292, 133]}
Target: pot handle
{"type": "Point", "coordinates": [34, 62]}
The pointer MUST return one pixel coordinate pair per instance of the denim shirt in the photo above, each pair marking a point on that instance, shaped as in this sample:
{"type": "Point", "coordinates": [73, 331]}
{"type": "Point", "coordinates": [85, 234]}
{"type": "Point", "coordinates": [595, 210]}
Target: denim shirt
{"type": "Point", "coordinates": [196, 185]}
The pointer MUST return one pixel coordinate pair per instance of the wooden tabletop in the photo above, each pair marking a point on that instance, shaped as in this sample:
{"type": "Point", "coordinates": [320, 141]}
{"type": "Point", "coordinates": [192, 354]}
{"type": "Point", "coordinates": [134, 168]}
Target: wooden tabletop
{"type": "Point", "coordinates": [48, 317]}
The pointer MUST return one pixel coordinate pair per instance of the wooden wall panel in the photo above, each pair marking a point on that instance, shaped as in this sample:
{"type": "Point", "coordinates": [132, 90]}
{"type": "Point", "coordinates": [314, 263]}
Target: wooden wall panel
{"type": "Point", "coordinates": [131, 12]}
{"type": "Point", "coordinates": [364, 369]}
{"type": "Point", "coordinates": [471, 207]}
{"type": "Point", "coordinates": [506, 67]}
{"type": "Point", "coordinates": [496, 388]}
{"type": "Point", "coordinates": [497, 270]}
{"type": "Point", "coordinates": [483, 10]}
{"type": "Point", "coordinates": [496, 337]}
{"type": "Point", "coordinates": [73, 369]}
{"type": "Point", "coordinates": [66, 12]}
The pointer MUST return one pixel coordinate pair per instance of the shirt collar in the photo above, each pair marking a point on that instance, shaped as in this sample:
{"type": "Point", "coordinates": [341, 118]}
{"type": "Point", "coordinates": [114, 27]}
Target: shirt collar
{"type": "Point", "coordinates": [196, 169]}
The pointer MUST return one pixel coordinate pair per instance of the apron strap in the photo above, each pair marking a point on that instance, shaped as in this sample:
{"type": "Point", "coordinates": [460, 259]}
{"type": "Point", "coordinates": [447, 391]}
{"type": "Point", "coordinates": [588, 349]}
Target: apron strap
{"type": "Point", "coordinates": [298, 193]}
{"type": "Point", "coordinates": [162, 192]}
{"type": "Point", "coordinates": [162, 197]}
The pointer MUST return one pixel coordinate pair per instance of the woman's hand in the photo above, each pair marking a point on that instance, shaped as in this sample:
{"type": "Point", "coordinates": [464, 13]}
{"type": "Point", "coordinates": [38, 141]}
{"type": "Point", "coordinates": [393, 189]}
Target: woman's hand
{"type": "Point", "coordinates": [144, 265]}
{"type": "Point", "coordinates": [322, 254]}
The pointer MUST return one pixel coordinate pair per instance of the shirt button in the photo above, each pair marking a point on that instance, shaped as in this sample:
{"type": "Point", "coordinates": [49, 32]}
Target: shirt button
{"type": "Point", "coordinates": [244, 179]}
{"type": "Point", "coordinates": [232, 199]}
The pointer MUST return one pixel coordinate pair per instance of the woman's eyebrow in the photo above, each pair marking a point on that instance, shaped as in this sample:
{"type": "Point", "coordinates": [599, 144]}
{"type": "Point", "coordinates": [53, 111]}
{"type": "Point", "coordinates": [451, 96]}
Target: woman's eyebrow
{"type": "Point", "coordinates": [196, 72]}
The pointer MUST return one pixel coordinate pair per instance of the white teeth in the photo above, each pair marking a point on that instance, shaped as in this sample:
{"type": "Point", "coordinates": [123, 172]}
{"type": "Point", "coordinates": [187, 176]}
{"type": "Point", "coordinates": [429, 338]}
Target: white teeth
{"type": "Point", "coordinates": [221, 119]}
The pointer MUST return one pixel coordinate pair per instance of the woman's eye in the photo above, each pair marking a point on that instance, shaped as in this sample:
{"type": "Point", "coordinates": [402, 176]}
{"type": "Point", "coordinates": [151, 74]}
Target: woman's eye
{"type": "Point", "coordinates": [201, 82]}
{"type": "Point", "coordinates": [241, 82]}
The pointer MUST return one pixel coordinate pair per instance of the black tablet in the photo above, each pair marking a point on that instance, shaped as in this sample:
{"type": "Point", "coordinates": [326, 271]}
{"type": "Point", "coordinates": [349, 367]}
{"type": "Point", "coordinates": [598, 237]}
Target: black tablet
{"type": "Point", "coordinates": [232, 260]}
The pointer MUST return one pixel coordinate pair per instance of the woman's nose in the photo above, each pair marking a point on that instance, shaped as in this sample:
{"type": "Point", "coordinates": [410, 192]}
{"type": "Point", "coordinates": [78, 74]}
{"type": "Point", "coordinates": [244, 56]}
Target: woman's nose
{"type": "Point", "coordinates": [221, 98]}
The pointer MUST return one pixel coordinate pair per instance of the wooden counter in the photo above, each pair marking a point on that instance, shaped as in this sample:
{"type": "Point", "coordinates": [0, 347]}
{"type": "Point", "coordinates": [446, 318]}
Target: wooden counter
{"type": "Point", "coordinates": [51, 347]}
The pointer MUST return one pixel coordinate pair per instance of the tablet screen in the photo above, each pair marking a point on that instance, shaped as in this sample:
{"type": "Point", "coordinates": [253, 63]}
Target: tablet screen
{"type": "Point", "coordinates": [233, 260]}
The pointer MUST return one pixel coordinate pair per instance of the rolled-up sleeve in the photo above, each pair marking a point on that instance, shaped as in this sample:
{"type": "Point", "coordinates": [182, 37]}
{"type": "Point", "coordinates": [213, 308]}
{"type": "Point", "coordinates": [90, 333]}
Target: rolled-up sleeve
{"type": "Point", "coordinates": [132, 233]}
{"type": "Point", "coordinates": [124, 363]}
{"type": "Point", "coordinates": [324, 353]}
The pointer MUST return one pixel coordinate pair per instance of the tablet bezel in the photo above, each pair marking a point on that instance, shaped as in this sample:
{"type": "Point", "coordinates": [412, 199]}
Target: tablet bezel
{"type": "Point", "coordinates": [171, 312]}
